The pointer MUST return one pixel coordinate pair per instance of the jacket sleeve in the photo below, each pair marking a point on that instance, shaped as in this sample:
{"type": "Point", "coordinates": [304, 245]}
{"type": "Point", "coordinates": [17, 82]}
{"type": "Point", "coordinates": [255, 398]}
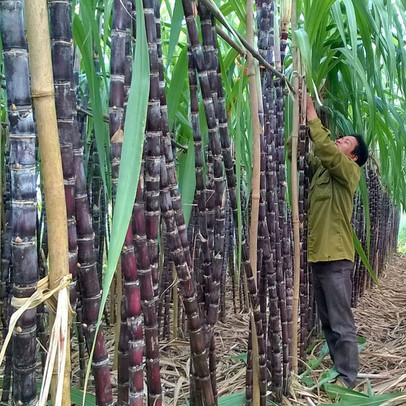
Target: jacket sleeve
{"type": "Point", "coordinates": [339, 165]}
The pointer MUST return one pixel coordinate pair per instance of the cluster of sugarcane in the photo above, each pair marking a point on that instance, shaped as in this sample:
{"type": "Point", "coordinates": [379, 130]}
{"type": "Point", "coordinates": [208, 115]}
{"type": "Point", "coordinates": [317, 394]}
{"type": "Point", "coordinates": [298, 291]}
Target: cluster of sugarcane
{"type": "Point", "coordinates": [379, 239]}
{"type": "Point", "coordinates": [19, 252]}
{"type": "Point", "coordinates": [157, 227]}
{"type": "Point", "coordinates": [23, 198]}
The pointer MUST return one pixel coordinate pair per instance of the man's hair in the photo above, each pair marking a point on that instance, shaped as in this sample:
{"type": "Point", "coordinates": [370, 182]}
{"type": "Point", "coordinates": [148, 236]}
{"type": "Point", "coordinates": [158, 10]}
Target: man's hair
{"type": "Point", "coordinates": [361, 150]}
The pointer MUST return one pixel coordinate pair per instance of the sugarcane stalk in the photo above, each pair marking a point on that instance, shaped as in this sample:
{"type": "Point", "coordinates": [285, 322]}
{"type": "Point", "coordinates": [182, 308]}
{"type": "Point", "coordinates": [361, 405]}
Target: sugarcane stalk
{"type": "Point", "coordinates": [44, 103]}
{"type": "Point", "coordinates": [147, 298]}
{"type": "Point", "coordinates": [120, 33]}
{"type": "Point", "coordinates": [61, 37]}
{"type": "Point", "coordinates": [6, 250]}
{"type": "Point", "coordinates": [213, 9]}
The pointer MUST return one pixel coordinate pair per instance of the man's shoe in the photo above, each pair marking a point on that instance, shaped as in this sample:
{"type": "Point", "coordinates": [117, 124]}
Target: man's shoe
{"type": "Point", "coordinates": [339, 382]}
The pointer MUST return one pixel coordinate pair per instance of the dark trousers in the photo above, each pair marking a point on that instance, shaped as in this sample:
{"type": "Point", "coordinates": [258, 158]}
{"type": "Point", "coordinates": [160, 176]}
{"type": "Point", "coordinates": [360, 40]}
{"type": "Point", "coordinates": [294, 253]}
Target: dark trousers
{"type": "Point", "coordinates": [332, 289]}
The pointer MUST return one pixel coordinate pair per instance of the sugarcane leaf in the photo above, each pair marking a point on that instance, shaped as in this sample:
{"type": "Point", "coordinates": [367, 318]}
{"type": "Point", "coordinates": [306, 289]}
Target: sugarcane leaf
{"type": "Point", "coordinates": [187, 179]}
{"type": "Point", "coordinates": [176, 26]}
{"type": "Point", "coordinates": [77, 396]}
{"type": "Point", "coordinates": [363, 188]}
{"type": "Point", "coordinates": [362, 255]}
{"type": "Point", "coordinates": [131, 158]}
{"type": "Point", "coordinates": [316, 13]}
{"type": "Point", "coordinates": [240, 357]}
{"type": "Point", "coordinates": [176, 86]}
{"type": "Point", "coordinates": [350, 397]}
{"type": "Point", "coordinates": [302, 42]}
{"type": "Point", "coordinates": [83, 39]}
{"type": "Point", "coordinates": [108, 11]}
{"type": "Point", "coordinates": [233, 399]}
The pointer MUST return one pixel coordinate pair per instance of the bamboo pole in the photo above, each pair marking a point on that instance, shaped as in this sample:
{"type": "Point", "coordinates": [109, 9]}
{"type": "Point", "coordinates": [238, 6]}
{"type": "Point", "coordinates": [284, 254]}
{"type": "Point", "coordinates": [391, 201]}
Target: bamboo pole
{"type": "Point", "coordinates": [295, 203]}
{"type": "Point", "coordinates": [42, 88]}
{"type": "Point", "coordinates": [256, 148]}
{"type": "Point", "coordinates": [255, 187]}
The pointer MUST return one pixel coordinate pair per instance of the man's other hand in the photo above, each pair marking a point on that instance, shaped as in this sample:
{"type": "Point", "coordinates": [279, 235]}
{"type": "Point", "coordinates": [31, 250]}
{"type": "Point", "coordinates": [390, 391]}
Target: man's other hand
{"type": "Point", "coordinates": [310, 109]}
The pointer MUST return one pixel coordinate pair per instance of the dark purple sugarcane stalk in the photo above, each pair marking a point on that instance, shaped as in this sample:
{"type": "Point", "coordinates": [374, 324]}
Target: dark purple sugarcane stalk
{"type": "Point", "coordinates": [6, 281]}
{"type": "Point", "coordinates": [120, 37]}
{"type": "Point", "coordinates": [123, 356]}
{"type": "Point", "coordinates": [284, 269]}
{"type": "Point", "coordinates": [76, 196]}
{"type": "Point", "coordinates": [227, 249]}
{"type": "Point", "coordinates": [216, 246]}
{"type": "Point", "coordinates": [306, 304]}
{"type": "Point", "coordinates": [119, 32]}
{"type": "Point", "coordinates": [268, 279]}
{"type": "Point", "coordinates": [215, 184]}
{"type": "Point", "coordinates": [23, 198]}
{"type": "Point", "coordinates": [276, 233]}
{"type": "Point", "coordinates": [153, 136]}
{"type": "Point", "coordinates": [89, 285]}
{"type": "Point", "coordinates": [147, 218]}
{"type": "Point", "coordinates": [183, 264]}
{"type": "Point", "coordinates": [210, 51]}
{"type": "Point", "coordinates": [202, 261]}
{"type": "Point", "coordinates": [148, 301]}
{"type": "Point", "coordinates": [165, 304]}
{"type": "Point", "coordinates": [187, 289]}
{"type": "Point", "coordinates": [61, 40]}
{"type": "Point", "coordinates": [249, 372]}
{"type": "Point", "coordinates": [274, 333]}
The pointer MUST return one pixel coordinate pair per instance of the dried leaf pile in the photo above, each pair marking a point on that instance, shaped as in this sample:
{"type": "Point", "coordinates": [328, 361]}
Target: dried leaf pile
{"type": "Point", "coordinates": [380, 318]}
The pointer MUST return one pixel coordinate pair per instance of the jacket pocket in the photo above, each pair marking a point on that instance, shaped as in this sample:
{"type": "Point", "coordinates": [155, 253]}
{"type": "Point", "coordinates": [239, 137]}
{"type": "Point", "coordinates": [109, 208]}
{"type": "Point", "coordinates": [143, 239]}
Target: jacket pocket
{"type": "Point", "coordinates": [322, 187]}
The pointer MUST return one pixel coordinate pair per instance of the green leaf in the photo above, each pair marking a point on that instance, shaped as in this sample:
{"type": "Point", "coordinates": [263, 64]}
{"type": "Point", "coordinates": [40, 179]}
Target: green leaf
{"type": "Point", "coordinates": [187, 179]}
{"type": "Point", "coordinates": [362, 255]}
{"type": "Point", "coordinates": [176, 86]}
{"type": "Point", "coordinates": [303, 44]}
{"type": "Point", "coordinates": [77, 396]}
{"type": "Point", "coordinates": [350, 397]}
{"type": "Point", "coordinates": [176, 26]}
{"type": "Point", "coordinates": [84, 40]}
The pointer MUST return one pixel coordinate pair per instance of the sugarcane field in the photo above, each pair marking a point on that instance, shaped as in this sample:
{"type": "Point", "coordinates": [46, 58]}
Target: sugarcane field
{"type": "Point", "coordinates": [202, 202]}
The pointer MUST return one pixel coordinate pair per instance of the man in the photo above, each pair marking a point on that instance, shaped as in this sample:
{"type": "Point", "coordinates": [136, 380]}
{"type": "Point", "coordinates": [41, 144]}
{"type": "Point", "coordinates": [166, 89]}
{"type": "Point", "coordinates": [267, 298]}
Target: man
{"type": "Point", "coordinates": [336, 173]}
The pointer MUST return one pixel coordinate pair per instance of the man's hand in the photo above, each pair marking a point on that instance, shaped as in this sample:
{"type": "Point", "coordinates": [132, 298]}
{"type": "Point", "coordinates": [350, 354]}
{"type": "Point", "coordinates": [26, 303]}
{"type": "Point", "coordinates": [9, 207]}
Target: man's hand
{"type": "Point", "coordinates": [310, 109]}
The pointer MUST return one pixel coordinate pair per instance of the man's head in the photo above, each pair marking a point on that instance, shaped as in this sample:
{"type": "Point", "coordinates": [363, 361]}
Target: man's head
{"type": "Point", "coordinates": [354, 147]}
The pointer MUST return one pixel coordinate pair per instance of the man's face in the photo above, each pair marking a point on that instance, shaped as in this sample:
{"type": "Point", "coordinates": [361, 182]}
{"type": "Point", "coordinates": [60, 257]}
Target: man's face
{"type": "Point", "coordinates": [347, 145]}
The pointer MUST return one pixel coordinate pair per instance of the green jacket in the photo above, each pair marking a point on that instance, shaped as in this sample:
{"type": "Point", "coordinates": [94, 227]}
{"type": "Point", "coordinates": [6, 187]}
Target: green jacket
{"type": "Point", "coordinates": [332, 189]}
